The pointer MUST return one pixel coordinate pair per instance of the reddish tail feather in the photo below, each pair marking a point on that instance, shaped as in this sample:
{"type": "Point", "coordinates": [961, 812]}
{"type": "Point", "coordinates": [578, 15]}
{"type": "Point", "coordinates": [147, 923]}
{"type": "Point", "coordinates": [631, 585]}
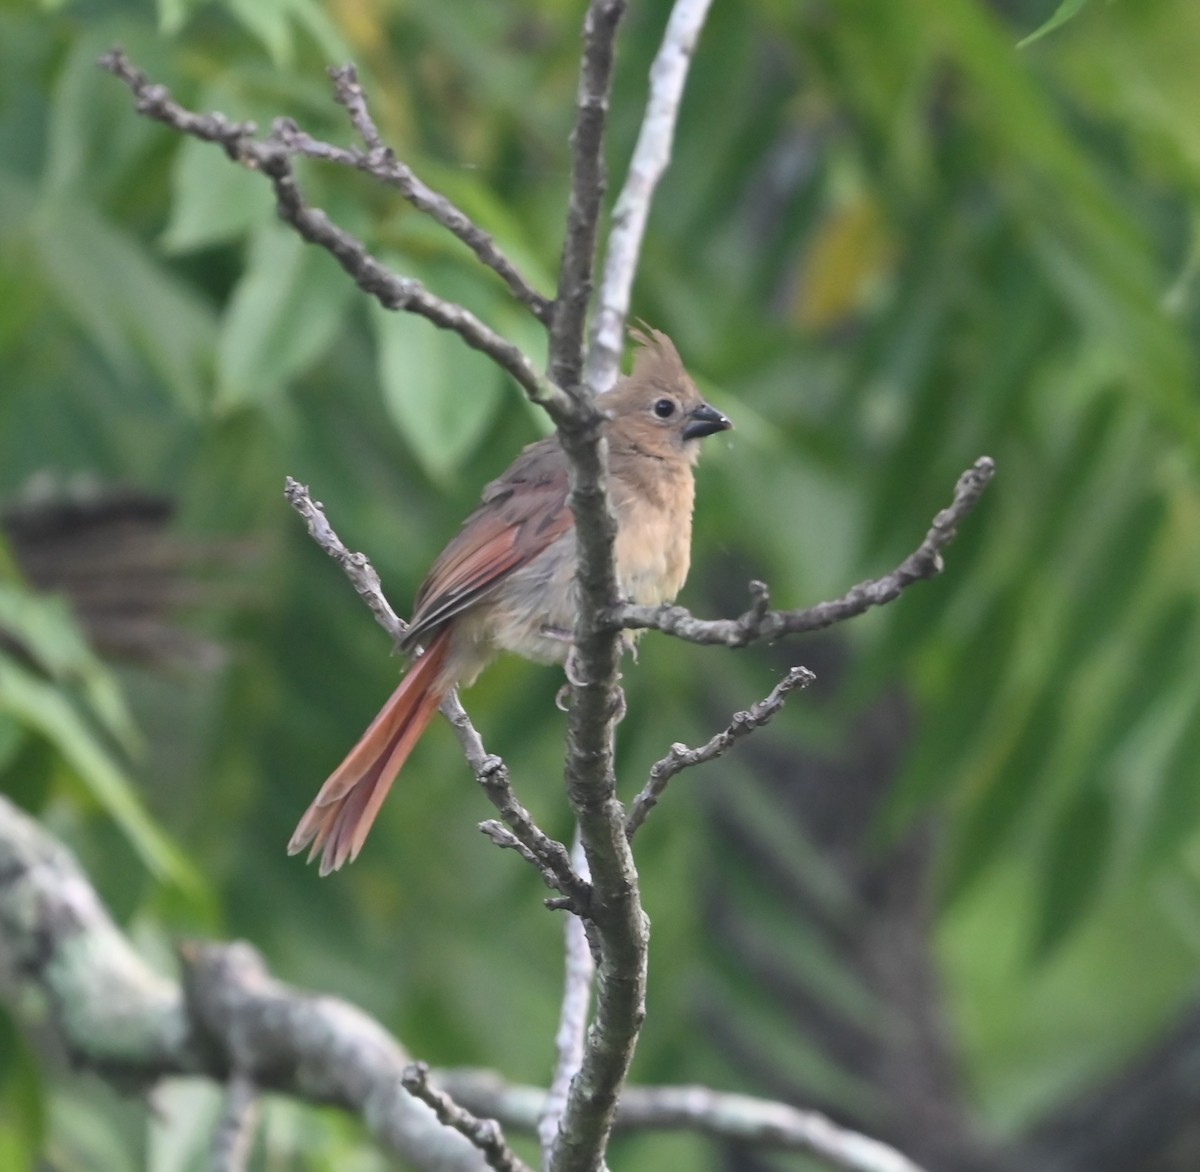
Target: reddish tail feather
{"type": "Point", "coordinates": [341, 814]}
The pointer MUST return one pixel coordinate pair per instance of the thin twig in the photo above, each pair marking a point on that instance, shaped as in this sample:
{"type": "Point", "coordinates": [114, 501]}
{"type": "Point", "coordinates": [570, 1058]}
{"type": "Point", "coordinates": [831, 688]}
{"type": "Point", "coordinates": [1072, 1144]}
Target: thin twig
{"type": "Point", "coordinates": [579, 973]}
{"type": "Point", "coordinates": [485, 1134]}
{"type": "Point", "coordinates": [767, 1124]}
{"type": "Point", "coordinates": [680, 757]}
{"type": "Point", "coordinates": [234, 1136]}
{"type": "Point", "coordinates": [549, 855]}
{"type": "Point", "coordinates": [650, 158]}
{"type": "Point", "coordinates": [356, 566]}
{"type": "Point", "coordinates": [272, 157]}
{"type": "Point", "coordinates": [380, 162]}
{"type": "Point", "coordinates": [760, 1123]}
{"type": "Point", "coordinates": [760, 622]}
{"type": "Point", "coordinates": [506, 840]}
{"type": "Point", "coordinates": [588, 181]}
{"type": "Point", "coordinates": [546, 853]}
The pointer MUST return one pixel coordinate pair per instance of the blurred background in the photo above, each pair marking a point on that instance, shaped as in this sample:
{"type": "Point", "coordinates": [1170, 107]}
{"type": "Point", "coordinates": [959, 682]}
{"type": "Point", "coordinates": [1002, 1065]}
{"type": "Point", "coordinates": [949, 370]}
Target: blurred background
{"type": "Point", "coordinates": [952, 895]}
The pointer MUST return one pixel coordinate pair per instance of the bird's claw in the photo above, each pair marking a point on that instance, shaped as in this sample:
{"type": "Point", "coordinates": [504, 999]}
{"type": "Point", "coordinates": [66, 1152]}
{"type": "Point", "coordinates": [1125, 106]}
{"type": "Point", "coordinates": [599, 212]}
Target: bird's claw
{"type": "Point", "coordinates": [562, 698]}
{"type": "Point", "coordinates": [619, 707]}
{"type": "Point", "coordinates": [562, 701]}
{"type": "Point", "coordinates": [571, 669]}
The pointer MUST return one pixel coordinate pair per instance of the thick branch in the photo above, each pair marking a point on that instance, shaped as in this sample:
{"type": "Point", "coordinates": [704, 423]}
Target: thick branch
{"type": "Point", "coordinates": [113, 1014]}
{"type": "Point", "coordinates": [621, 931]}
{"type": "Point", "coordinates": [272, 157]}
{"type": "Point", "coordinates": [650, 158]}
{"type": "Point", "coordinates": [760, 622]}
{"type": "Point", "coordinates": [618, 925]}
{"type": "Point", "coordinates": [380, 162]}
{"type": "Point", "coordinates": [681, 757]}
{"type": "Point", "coordinates": [588, 182]}
{"type": "Point", "coordinates": [59, 948]}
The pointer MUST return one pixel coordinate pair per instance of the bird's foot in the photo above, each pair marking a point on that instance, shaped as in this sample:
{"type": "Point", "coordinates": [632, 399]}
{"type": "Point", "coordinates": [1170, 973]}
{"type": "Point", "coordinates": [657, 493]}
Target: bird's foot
{"type": "Point", "coordinates": [562, 701]}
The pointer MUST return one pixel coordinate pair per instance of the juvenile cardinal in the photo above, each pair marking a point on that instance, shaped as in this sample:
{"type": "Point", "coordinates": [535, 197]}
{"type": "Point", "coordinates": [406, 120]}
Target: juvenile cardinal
{"type": "Point", "coordinates": [506, 581]}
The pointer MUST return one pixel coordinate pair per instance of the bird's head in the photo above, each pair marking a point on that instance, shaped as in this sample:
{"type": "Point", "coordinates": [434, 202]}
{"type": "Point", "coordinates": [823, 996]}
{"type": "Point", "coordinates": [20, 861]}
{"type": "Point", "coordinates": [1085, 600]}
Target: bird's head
{"type": "Point", "coordinates": [657, 407]}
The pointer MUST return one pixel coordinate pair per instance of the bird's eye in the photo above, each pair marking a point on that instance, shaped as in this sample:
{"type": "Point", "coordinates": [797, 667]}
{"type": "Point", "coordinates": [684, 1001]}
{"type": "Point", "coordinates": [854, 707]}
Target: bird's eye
{"type": "Point", "coordinates": [664, 408]}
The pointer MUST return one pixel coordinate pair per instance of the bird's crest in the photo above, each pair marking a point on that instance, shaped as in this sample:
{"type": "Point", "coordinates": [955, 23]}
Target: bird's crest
{"type": "Point", "coordinates": [656, 362]}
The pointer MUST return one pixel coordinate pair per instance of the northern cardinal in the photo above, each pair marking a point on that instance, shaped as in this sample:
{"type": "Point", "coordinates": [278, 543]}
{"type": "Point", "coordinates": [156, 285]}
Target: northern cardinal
{"type": "Point", "coordinates": [506, 582]}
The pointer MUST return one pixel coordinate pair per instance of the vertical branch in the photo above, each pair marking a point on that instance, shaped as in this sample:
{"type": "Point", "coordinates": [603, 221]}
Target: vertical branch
{"type": "Point", "coordinates": [234, 1136]}
{"type": "Point", "coordinates": [620, 931]}
{"type": "Point", "coordinates": [650, 158]}
{"type": "Point", "coordinates": [588, 182]}
{"type": "Point", "coordinates": [618, 928]}
{"type": "Point", "coordinates": [572, 1022]}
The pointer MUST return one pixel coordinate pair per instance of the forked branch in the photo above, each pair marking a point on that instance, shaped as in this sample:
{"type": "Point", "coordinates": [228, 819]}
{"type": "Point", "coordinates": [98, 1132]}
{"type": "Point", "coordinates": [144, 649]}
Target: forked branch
{"type": "Point", "coordinates": [761, 622]}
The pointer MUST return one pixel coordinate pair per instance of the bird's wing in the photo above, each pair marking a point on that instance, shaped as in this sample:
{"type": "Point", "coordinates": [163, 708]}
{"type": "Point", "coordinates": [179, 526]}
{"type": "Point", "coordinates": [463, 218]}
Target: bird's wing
{"type": "Point", "coordinates": [521, 513]}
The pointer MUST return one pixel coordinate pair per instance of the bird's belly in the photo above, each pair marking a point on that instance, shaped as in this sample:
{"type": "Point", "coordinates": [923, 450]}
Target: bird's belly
{"type": "Point", "coordinates": [653, 555]}
{"type": "Point", "coordinates": [532, 613]}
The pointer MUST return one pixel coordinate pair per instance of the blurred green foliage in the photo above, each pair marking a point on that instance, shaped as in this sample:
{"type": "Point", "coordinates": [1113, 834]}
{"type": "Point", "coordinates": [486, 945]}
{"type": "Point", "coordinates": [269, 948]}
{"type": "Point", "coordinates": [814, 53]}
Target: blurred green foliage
{"type": "Point", "coordinates": [890, 241]}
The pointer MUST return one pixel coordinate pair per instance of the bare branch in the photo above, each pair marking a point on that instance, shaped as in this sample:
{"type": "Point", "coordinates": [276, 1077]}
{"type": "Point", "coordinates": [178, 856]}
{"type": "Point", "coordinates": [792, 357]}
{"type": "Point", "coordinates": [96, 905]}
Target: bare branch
{"type": "Point", "coordinates": [580, 971]}
{"type": "Point", "coordinates": [112, 1013]}
{"type": "Point", "coordinates": [506, 840]}
{"type": "Point", "coordinates": [760, 622]}
{"type": "Point", "coordinates": [380, 162]}
{"type": "Point", "coordinates": [546, 853]}
{"type": "Point", "coordinates": [758, 1122]}
{"type": "Point", "coordinates": [234, 1136]}
{"type": "Point", "coordinates": [620, 927]}
{"type": "Point", "coordinates": [485, 1134]}
{"type": "Point", "coordinates": [60, 950]}
{"type": "Point", "coordinates": [588, 182]}
{"type": "Point", "coordinates": [272, 157]}
{"type": "Point", "coordinates": [616, 915]}
{"type": "Point", "coordinates": [356, 567]}
{"type": "Point", "coordinates": [349, 95]}
{"type": "Point", "coordinates": [651, 156]}
{"type": "Point", "coordinates": [741, 1117]}
{"type": "Point", "coordinates": [681, 757]}
{"type": "Point", "coordinates": [549, 855]}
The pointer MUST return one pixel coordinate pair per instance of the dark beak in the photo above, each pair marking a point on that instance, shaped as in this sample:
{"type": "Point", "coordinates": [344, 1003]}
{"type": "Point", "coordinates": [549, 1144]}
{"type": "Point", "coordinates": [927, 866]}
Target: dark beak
{"type": "Point", "coordinates": [704, 420]}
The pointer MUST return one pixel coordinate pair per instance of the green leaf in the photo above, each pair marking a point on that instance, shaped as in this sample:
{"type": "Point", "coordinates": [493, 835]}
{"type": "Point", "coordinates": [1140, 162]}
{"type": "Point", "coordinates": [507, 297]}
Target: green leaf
{"type": "Point", "coordinates": [213, 200]}
{"type": "Point", "coordinates": [268, 21]}
{"type": "Point", "coordinates": [1176, 811]}
{"type": "Point", "coordinates": [43, 707]}
{"type": "Point", "coordinates": [993, 817]}
{"type": "Point", "coordinates": [1064, 12]}
{"type": "Point", "coordinates": [286, 309]}
{"type": "Point", "coordinates": [171, 15]}
{"type": "Point", "coordinates": [440, 393]}
{"type": "Point", "coordinates": [180, 1134]}
{"type": "Point", "coordinates": [46, 630]}
{"type": "Point", "coordinates": [1076, 859]}
{"type": "Point", "coordinates": [22, 1100]}
{"type": "Point", "coordinates": [312, 17]}
{"type": "Point", "coordinates": [11, 736]}
{"type": "Point", "coordinates": [126, 302]}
